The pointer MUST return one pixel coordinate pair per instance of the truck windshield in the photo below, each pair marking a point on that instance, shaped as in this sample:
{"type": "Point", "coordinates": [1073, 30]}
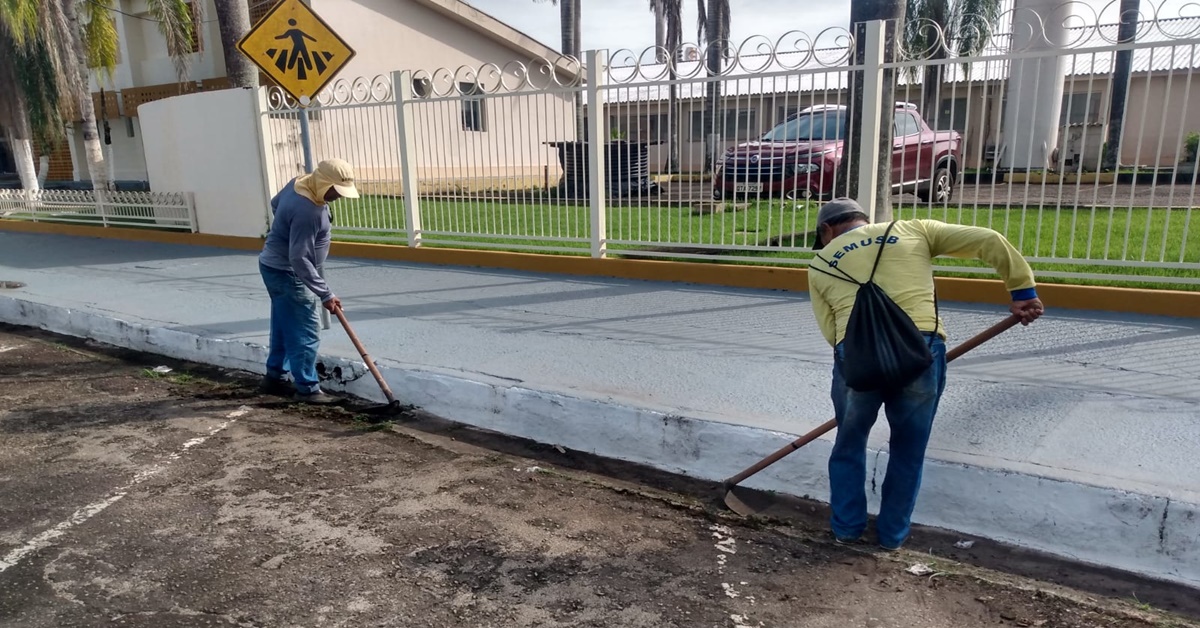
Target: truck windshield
{"type": "Point", "coordinates": [825, 125]}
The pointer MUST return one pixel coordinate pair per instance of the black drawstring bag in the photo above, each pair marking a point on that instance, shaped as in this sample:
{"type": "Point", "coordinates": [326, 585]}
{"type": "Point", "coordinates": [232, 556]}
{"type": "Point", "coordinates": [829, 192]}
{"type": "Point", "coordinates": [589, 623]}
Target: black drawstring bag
{"type": "Point", "coordinates": [883, 349]}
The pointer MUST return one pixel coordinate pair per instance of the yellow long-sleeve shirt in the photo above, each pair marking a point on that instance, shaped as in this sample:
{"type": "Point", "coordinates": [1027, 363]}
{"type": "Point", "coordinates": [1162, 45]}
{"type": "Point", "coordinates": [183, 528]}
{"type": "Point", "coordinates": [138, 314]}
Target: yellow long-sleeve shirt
{"type": "Point", "coordinates": [906, 269]}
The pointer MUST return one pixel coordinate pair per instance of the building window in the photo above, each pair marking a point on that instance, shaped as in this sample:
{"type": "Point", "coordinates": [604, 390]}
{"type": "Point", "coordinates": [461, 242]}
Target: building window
{"type": "Point", "coordinates": [422, 87]}
{"type": "Point", "coordinates": [952, 116]}
{"type": "Point", "coordinates": [735, 124]}
{"type": "Point", "coordinates": [1083, 108]}
{"type": "Point", "coordinates": [474, 113]}
{"type": "Point", "coordinates": [197, 25]}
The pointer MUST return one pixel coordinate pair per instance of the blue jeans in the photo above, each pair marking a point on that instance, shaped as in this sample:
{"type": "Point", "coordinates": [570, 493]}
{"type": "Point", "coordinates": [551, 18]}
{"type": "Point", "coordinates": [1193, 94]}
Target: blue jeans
{"type": "Point", "coordinates": [295, 333]}
{"type": "Point", "coordinates": [910, 414]}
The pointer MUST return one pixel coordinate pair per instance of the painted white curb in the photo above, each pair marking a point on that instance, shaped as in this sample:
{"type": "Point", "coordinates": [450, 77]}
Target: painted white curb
{"type": "Point", "coordinates": [1145, 534]}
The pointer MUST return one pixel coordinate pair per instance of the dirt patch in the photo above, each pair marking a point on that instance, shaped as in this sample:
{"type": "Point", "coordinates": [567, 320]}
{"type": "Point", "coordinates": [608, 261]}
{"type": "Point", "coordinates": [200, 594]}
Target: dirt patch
{"type": "Point", "coordinates": [225, 508]}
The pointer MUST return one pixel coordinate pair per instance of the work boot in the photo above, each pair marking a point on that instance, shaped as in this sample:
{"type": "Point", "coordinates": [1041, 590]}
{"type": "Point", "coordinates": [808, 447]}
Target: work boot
{"type": "Point", "coordinates": [274, 386]}
{"type": "Point", "coordinates": [318, 398]}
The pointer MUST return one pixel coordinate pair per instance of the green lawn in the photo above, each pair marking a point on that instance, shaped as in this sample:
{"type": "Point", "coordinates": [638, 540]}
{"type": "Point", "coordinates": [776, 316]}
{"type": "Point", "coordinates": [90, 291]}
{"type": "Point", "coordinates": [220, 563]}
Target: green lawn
{"type": "Point", "coordinates": [766, 228]}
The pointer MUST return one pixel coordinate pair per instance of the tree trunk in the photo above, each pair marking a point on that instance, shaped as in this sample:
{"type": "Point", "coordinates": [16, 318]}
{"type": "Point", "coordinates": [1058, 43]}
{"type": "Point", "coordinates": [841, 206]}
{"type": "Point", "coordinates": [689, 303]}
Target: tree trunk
{"type": "Point", "coordinates": [931, 90]}
{"type": "Point", "coordinates": [43, 169]}
{"type": "Point", "coordinates": [93, 151]}
{"type": "Point", "coordinates": [233, 18]}
{"type": "Point", "coordinates": [1126, 33]}
{"type": "Point", "coordinates": [712, 107]}
{"type": "Point", "coordinates": [23, 156]}
{"type": "Point", "coordinates": [569, 24]}
{"type": "Point", "coordinates": [660, 34]}
{"type": "Point", "coordinates": [862, 11]}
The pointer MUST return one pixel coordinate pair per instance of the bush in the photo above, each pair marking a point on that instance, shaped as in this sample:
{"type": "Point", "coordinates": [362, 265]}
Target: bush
{"type": "Point", "coordinates": [1190, 146]}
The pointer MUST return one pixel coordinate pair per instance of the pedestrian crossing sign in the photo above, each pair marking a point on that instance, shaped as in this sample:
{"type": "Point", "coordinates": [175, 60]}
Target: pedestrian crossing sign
{"type": "Point", "coordinates": [297, 49]}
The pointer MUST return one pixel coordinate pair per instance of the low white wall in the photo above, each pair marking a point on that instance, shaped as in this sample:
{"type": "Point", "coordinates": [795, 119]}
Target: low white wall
{"type": "Point", "coordinates": [208, 144]}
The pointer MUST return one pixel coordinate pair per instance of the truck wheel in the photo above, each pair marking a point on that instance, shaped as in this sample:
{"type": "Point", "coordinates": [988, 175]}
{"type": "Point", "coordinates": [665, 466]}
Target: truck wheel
{"type": "Point", "coordinates": [941, 188]}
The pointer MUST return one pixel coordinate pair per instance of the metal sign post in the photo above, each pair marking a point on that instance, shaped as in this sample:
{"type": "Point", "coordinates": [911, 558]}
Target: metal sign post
{"type": "Point", "coordinates": [302, 54]}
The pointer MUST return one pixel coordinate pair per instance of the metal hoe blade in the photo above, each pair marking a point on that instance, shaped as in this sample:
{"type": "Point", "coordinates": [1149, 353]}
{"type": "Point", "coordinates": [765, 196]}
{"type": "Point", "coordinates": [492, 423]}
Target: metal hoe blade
{"type": "Point", "coordinates": [745, 501]}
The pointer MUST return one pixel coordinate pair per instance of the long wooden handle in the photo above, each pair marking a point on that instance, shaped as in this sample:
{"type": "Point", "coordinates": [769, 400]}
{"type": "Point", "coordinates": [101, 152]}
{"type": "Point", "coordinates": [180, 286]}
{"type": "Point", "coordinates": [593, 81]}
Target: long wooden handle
{"type": "Point", "coordinates": [387, 392]}
{"type": "Point", "coordinates": [826, 427]}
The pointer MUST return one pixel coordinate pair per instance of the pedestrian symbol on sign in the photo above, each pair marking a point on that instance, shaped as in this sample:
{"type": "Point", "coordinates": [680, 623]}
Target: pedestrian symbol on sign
{"type": "Point", "coordinates": [299, 58]}
{"type": "Point", "coordinates": [296, 49]}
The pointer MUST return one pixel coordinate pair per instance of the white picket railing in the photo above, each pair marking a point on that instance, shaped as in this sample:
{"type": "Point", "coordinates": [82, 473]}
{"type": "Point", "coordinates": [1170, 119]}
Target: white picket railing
{"type": "Point", "coordinates": [159, 210]}
{"type": "Point", "coordinates": [491, 157]}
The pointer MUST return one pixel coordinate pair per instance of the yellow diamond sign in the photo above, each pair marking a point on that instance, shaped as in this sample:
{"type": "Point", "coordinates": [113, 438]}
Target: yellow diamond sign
{"type": "Point", "coordinates": [296, 48]}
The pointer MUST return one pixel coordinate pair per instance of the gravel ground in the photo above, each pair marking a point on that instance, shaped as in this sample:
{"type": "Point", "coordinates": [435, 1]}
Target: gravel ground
{"type": "Point", "coordinates": [134, 498]}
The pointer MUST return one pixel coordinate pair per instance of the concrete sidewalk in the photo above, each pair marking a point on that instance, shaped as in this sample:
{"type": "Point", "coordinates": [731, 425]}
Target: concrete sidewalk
{"type": "Point", "coordinates": [1071, 436]}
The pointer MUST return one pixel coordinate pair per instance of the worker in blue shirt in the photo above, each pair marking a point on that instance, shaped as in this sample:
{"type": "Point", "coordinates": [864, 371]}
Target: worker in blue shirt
{"type": "Point", "coordinates": [296, 247]}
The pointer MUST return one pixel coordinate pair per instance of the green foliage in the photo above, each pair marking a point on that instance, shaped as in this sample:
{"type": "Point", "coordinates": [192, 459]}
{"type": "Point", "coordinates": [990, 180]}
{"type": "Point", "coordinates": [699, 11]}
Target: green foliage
{"type": "Point", "coordinates": [39, 86]}
{"type": "Point", "coordinates": [100, 40]}
{"type": "Point", "coordinates": [1191, 146]}
{"type": "Point", "coordinates": [175, 23]}
{"type": "Point", "coordinates": [20, 18]}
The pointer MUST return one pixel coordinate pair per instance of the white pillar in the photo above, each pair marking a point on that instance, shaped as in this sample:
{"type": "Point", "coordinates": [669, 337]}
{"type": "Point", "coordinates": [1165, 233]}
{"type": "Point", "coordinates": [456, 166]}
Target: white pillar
{"type": "Point", "coordinates": [597, 72]}
{"type": "Point", "coordinates": [1035, 85]}
{"type": "Point", "coordinates": [406, 138]}
{"type": "Point", "coordinates": [76, 156]}
{"type": "Point", "coordinates": [873, 109]}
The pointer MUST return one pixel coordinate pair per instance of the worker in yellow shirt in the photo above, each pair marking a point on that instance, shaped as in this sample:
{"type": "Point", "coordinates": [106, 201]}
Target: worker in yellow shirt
{"type": "Point", "coordinates": [848, 246]}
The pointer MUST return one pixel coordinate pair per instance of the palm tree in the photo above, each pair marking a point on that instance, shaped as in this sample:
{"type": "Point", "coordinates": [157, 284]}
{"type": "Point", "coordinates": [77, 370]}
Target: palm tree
{"type": "Point", "coordinates": [97, 47]}
{"type": "Point", "coordinates": [892, 13]}
{"type": "Point", "coordinates": [570, 25]}
{"type": "Point", "coordinates": [30, 107]}
{"type": "Point", "coordinates": [233, 18]}
{"type": "Point", "coordinates": [669, 24]}
{"type": "Point", "coordinates": [713, 24]}
{"type": "Point", "coordinates": [1126, 33]}
{"type": "Point", "coordinates": [36, 69]}
{"type": "Point", "coordinates": [73, 45]}
{"type": "Point", "coordinates": [936, 28]}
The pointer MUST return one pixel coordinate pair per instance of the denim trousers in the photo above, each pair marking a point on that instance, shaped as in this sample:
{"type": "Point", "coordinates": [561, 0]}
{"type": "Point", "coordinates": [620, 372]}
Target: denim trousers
{"type": "Point", "coordinates": [910, 413]}
{"type": "Point", "coordinates": [295, 332]}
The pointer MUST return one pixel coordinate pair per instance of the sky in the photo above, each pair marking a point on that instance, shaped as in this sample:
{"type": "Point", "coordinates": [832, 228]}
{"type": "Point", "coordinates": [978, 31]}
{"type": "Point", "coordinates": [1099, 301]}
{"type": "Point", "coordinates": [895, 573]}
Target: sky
{"type": "Point", "coordinates": [628, 24]}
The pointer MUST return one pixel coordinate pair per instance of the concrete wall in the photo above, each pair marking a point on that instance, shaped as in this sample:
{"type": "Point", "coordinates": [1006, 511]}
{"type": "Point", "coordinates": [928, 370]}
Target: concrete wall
{"type": "Point", "coordinates": [223, 169]}
{"type": "Point", "coordinates": [126, 152]}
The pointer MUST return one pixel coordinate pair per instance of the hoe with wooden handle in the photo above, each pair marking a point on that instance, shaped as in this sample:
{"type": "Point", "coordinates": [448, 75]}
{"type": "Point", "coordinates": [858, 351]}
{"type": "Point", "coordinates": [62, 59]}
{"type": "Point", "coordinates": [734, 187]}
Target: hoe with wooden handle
{"type": "Point", "coordinates": [746, 502]}
{"type": "Point", "coordinates": [393, 407]}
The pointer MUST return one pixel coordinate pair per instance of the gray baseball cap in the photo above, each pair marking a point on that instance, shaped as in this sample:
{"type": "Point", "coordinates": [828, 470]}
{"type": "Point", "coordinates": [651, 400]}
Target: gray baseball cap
{"type": "Point", "coordinates": [830, 212]}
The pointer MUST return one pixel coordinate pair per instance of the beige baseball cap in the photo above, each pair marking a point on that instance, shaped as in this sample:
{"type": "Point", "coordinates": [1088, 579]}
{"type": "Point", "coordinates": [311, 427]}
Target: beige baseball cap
{"type": "Point", "coordinates": [341, 174]}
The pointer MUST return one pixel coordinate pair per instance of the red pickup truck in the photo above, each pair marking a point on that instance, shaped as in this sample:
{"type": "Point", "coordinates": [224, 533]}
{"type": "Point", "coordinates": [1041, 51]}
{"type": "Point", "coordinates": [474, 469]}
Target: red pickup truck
{"type": "Point", "coordinates": [799, 158]}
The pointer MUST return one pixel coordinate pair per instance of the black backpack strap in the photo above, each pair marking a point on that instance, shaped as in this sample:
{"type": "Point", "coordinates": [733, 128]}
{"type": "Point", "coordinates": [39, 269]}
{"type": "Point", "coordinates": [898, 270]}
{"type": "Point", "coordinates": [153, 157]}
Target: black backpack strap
{"type": "Point", "coordinates": [879, 255]}
{"type": "Point", "coordinates": [844, 275]}
{"type": "Point", "coordinates": [937, 321]}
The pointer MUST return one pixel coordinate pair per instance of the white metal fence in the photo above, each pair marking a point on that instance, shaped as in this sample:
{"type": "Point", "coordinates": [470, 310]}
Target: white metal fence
{"type": "Point", "coordinates": [732, 165]}
{"type": "Point", "coordinates": [159, 210]}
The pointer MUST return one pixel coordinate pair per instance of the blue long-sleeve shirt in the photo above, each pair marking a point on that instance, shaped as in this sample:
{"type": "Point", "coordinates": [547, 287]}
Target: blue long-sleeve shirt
{"type": "Point", "coordinates": [299, 239]}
